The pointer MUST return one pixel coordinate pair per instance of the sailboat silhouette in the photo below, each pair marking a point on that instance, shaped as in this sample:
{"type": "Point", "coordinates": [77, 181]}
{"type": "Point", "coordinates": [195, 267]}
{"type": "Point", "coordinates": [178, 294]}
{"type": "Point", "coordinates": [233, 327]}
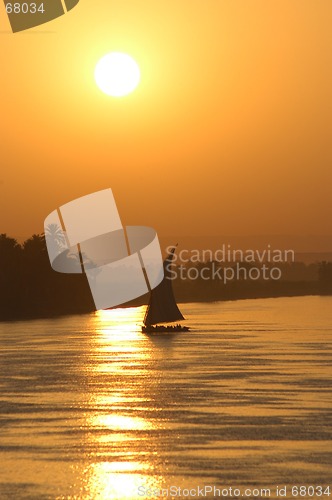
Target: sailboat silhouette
{"type": "Point", "coordinates": [162, 307]}
{"type": "Point", "coordinates": [24, 15]}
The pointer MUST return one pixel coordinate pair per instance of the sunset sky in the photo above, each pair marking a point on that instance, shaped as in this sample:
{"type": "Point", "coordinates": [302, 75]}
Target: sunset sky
{"type": "Point", "coordinates": [229, 132]}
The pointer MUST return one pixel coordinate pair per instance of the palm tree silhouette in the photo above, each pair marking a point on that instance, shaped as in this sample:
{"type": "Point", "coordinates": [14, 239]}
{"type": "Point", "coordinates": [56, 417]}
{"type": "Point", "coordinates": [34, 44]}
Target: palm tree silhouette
{"type": "Point", "coordinates": [55, 234]}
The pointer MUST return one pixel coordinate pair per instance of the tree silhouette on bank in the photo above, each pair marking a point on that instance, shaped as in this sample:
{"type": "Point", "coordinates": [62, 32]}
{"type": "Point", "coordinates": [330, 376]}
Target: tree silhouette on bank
{"type": "Point", "coordinates": [29, 287]}
{"type": "Point", "coordinates": [325, 277]}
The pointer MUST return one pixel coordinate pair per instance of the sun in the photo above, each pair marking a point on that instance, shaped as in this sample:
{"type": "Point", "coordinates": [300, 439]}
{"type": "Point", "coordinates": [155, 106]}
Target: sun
{"type": "Point", "coordinates": [117, 74]}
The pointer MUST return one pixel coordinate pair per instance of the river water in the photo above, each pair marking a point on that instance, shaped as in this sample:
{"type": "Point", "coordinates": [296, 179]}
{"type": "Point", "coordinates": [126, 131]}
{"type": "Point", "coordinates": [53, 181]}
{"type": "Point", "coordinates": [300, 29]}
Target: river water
{"type": "Point", "coordinates": [91, 408]}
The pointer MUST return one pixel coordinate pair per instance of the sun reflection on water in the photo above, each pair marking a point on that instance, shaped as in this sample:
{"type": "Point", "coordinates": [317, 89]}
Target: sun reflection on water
{"type": "Point", "coordinates": [122, 422]}
{"type": "Point", "coordinates": [117, 333]}
{"type": "Point", "coordinates": [106, 480]}
{"type": "Point", "coordinates": [119, 320]}
{"type": "Point", "coordinates": [120, 441]}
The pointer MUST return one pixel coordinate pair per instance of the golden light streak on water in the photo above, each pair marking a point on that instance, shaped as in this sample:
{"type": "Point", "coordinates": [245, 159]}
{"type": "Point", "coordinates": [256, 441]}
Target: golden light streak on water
{"type": "Point", "coordinates": [116, 480]}
{"type": "Point", "coordinates": [122, 353]}
{"type": "Point", "coordinates": [120, 320]}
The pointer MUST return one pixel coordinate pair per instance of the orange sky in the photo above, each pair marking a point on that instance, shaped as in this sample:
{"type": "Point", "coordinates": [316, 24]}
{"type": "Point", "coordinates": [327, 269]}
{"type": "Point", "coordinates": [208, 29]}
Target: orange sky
{"type": "Point", "coordinates": [229, 131]}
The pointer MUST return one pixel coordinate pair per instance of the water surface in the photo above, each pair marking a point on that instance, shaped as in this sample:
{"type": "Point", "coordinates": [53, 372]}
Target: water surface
{"type": "Point", "coordinates": [91, 408]}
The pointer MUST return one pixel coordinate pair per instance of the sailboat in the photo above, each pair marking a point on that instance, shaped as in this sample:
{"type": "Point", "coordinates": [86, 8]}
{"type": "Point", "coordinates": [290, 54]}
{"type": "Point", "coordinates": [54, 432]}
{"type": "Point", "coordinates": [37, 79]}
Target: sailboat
{"type": "Point", "coordinates": [162, 307]}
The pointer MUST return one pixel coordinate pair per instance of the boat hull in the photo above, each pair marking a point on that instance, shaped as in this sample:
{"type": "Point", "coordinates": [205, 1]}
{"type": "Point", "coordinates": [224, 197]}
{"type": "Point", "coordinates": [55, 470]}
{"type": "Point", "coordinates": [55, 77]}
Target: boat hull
{"type": "Point", "coordinates": [164, 329]}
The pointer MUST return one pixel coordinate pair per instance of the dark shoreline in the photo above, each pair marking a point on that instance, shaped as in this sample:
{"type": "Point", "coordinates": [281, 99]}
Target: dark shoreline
{"type": "Point", "coordinates": [30, 289]}
{"type": "Point", "coordinates": [36, 317]}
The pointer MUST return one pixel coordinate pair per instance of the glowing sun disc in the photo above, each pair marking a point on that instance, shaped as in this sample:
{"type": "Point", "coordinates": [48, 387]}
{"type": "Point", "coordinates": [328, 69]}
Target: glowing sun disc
{"type": "Point", "coordinates": [117, 74]}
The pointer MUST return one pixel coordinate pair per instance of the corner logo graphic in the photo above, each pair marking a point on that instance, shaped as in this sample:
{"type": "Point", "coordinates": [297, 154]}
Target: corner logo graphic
{"type": "Point", "coordinates": [86, 236]}
{"type": "Point", "coordinates": [26, 14]}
